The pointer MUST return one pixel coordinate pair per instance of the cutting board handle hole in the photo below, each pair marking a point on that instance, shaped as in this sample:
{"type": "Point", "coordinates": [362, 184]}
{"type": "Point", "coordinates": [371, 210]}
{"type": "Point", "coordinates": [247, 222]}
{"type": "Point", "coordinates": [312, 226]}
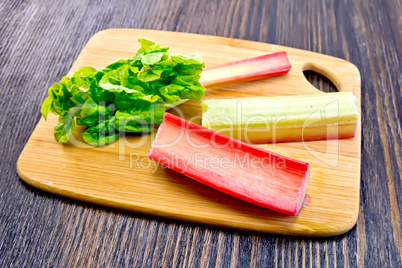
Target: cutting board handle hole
{"type": "Point", "coordinates": [319, 80]}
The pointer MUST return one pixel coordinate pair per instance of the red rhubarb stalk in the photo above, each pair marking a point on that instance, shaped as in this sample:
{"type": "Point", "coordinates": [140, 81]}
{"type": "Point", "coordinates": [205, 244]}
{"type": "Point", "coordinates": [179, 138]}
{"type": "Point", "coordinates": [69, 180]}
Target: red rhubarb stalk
{"type": "Point", "coordinates": [252, 174]}
{"type": "Point", "coordinates": [260, 67]}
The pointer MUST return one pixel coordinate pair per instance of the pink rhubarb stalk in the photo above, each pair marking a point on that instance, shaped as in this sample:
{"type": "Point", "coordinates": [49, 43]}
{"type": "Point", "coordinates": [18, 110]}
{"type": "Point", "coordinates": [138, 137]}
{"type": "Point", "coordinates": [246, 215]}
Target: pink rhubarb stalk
{"type": "Point", "coordinates": [260, 67]}
{"type": "Point", "coordinates": [252, 174]}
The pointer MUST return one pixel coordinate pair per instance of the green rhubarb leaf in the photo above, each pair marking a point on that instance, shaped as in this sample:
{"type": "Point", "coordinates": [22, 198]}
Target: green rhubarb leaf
{"type": "Point", "coordinates": [64, 127]}
{"type": "Point", "coordinates": [127, 95]}
{"type": "Point", "coordinates": [46, 106]}
{"type": "Point", "coordinates": [192, 89]}
{"type": "Point", "coordinates": [140, 116]}
{"type": "Point", "coordinates": [101, 134]}
{"type": "Point", "coordinates": [92, 113]}
{"type": "Point", "coordinates": [85, 72]}
{"type": "Point", "coordinates": [112, 80]}
{"type": "Point", "coordinates": [60, 93]}
{"type": "Point", "coordinates": [194, 58]}
{"type": "Point", "coordinates": [149, 47]}
{"type": "Point", "coordinates": [152, 58]}
{"type": "Point", "coordinates": [147, 74]}
{"type": "Point", "coordinates": [127, 122]}
{"type": "Point", "coordinates": [89, 108]}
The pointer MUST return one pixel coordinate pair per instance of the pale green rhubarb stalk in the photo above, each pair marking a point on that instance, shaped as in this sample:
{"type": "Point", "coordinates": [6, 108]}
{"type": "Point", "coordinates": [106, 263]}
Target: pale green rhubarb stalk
{"type": "Point", "coordinates": [283, 119]}
{"type": "Point", "coordinates": [236, 168]}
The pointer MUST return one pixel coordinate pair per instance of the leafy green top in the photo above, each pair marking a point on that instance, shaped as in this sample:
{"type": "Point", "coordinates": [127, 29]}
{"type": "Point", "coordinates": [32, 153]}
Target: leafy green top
{"type": "Point", "coordinates": [127, 96]}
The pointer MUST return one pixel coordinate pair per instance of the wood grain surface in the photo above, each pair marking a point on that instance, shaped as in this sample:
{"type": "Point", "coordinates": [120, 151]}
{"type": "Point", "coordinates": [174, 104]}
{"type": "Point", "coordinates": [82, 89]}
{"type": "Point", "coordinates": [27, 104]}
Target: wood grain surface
{"type": "Point", "coordinates": [121, 176]}
{"type": "Point", "coordinates": [39, 42]}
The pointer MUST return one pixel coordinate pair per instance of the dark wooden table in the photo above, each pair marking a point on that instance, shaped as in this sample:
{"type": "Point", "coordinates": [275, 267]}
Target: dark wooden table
{"type": "Point", "coordinates": [39, 41]}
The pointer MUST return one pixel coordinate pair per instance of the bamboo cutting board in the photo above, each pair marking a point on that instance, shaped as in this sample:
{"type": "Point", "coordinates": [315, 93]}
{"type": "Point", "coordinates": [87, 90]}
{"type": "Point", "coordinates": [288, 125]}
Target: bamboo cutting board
{"type": "Point", "coordinates": [121, 176]}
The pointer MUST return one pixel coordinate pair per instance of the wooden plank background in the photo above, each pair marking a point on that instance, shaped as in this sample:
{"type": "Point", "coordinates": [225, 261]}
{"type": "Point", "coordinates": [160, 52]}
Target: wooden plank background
{"type": "Point", "coordinates": [39, 41]}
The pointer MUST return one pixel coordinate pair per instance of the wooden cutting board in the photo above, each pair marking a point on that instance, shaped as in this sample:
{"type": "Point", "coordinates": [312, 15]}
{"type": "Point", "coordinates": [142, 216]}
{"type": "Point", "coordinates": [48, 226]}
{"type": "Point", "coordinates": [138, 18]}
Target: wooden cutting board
{"type": "Point", "coordinates": [121, 176]}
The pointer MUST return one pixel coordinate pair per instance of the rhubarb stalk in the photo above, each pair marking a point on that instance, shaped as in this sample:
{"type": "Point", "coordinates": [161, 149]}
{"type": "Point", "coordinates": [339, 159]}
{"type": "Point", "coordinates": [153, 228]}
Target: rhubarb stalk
{"type": "Point", "coordinates": [283, 119]}
{"type": "Point", "coordinates": [265, 66]}
{"type": "Point", "coordinates": [260, 67]}
{"type": "Point", "coordinates": [252, 174]}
